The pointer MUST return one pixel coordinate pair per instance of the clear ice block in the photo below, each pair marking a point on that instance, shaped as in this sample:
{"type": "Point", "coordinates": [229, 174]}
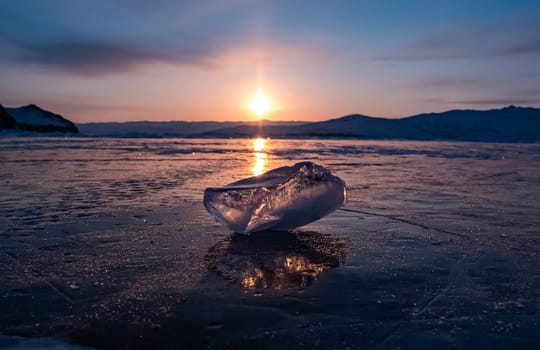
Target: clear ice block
{"type": "Point", "coordinates": [281, 199]}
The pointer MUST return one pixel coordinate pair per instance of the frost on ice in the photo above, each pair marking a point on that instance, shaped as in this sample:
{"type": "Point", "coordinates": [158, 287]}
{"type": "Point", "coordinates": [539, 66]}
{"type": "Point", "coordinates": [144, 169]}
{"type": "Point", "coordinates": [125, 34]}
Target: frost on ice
{"type": "Point", "coordinates": [281, 199]}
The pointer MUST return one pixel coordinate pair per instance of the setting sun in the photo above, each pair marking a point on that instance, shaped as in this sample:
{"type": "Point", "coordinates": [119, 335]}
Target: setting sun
{"type": "Point", "coordinates": [260, 104]}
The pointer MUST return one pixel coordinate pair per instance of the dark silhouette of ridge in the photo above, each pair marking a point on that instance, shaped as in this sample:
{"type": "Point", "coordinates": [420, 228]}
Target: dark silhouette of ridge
{"type": "Point", "coordinates": [35, 119]}
{"type": "Point", "coordinates": [6, 121]}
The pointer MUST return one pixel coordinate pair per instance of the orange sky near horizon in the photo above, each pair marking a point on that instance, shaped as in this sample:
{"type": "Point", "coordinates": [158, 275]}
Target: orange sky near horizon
{"type": "Point", "coordinates": [163, 93]}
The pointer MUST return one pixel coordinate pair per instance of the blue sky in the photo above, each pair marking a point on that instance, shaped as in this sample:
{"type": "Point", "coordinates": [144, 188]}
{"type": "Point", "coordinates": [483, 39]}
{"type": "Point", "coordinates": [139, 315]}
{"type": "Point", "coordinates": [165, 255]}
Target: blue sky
{"type": "Point", "coordinates": [119, 60]}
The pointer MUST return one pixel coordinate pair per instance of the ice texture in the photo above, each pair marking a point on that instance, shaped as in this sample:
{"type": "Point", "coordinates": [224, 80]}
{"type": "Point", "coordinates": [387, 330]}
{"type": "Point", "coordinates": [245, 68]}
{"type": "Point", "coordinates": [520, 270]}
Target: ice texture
{"type": "Point", "coordinates": [280, 199]}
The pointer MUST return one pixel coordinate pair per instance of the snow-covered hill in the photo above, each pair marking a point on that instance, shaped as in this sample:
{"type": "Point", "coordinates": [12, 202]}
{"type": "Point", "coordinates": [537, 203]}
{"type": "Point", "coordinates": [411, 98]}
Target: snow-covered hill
{"type": "Point", "coordinates": [34, 118]}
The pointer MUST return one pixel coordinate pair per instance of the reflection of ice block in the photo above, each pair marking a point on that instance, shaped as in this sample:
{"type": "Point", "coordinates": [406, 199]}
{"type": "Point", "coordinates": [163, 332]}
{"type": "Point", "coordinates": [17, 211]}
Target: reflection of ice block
{"type": "Point", "coordinates": [275, 260]}
{"type": "Point", "coordinates": [281, 199]}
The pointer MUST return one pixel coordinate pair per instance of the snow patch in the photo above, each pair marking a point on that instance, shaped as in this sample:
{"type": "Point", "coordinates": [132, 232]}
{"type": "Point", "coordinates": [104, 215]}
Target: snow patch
{"type": "Point", "coordinates": [34, 116]}
{"type": "Point", "coordinates": [49, 343]}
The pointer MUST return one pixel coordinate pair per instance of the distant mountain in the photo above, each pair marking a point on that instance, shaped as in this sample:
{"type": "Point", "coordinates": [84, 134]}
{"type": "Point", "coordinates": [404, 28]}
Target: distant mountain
{"type": "Point", "coordinates": [151, 129]}
{"type": "Point", "coordinates": [33, 118]}
{"type": "Point", "coordinates": [506, 124]}
{"type": "Point", "coordinates": [509, 124]}
{"type": "Point", "coordinates": [178, 129]}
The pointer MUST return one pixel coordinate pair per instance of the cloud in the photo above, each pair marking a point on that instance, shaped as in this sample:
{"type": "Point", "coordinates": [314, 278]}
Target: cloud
{"type": "Point", "coordinates": [450, 83]}
{"type": "Point", "coordinates": [472, 43]}
{"type": "Point", "coordinates": [103, 37]}
{"type": "Point", "coordinates": [94, 56]}
{"type": "Point", "coordinates": [527, 46]}
{"type": "Point", "coordinates": [97, 57]}
{"type": "Point", "coordinates": [487, 101]}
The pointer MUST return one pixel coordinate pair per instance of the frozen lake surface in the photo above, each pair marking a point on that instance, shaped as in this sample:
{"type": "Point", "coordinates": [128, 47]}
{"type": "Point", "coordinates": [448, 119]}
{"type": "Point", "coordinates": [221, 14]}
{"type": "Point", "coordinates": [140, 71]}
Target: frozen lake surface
{"type": "Point", "coordinates": [106, 241]}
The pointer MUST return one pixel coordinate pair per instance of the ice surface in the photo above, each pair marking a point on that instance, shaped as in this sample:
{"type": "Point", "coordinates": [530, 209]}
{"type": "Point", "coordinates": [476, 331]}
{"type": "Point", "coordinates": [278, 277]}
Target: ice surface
{"type": "Point", "coordinates": [281, 199]}
{"type": "Point", "coordinates": [64, 201]}
{"type": "Point", "coordinates": [48, 343]}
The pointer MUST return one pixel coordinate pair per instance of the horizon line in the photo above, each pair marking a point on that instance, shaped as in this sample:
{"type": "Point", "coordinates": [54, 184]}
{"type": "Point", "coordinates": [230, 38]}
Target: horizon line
{"type": "Point", "coordinates": [307, 121]}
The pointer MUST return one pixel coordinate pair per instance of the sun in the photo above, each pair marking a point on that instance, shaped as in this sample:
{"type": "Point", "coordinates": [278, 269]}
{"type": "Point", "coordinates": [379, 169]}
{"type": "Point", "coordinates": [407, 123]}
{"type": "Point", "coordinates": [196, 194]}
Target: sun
{"type": "Point", "coordinates": [260, 104]}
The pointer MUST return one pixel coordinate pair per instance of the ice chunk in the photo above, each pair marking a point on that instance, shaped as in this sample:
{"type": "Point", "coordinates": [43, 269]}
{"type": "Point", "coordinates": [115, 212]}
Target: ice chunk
{"type": "Point", "coordinates": [281, 199]}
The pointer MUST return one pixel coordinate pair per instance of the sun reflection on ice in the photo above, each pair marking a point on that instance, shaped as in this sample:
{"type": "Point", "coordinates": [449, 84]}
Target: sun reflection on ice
{"type": "Point", "coordinates": [259, 165]}
{"type": "Point", "coordinates": [258, 144]}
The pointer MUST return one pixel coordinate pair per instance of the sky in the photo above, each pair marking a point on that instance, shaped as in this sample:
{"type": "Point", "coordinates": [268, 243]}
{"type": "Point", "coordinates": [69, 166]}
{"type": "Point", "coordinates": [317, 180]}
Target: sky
{"type": "Point", "coordinates": [123, 60]}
